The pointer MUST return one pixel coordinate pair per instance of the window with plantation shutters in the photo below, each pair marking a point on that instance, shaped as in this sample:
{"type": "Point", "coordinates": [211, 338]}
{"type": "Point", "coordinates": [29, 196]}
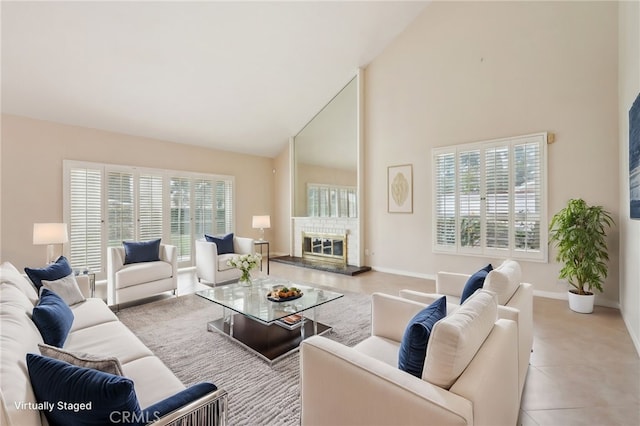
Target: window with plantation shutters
{"type": "Point", "coordinates": [488, 198]}
{"type": "Point", "coordinates": [105, 205]}
{"type": "Point", "coordinates": [331, 200]}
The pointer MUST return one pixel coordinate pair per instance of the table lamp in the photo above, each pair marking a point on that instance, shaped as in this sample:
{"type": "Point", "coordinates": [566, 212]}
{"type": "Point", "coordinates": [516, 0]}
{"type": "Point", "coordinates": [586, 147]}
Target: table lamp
{"type": "Point", "coordinates": [262, 222]}
{"type": "Point", "coordinates": [50, 234]}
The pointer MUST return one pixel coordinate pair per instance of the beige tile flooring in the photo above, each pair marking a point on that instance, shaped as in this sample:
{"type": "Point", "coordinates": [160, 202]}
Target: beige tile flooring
{"type": "Point", "coordinates": [584, 368]}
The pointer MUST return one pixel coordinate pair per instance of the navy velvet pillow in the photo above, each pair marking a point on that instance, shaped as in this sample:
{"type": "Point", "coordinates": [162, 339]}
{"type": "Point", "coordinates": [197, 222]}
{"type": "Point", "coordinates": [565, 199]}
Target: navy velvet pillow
{"type": "Point", "coordinates": [137, 252]}
{"type": "Point", "coordinates": [180, 399]}
{"type": "Point", "coordinates": [475, 282]}
{"type": "Point", "coordinates": [413, 347]}
{"type": "Point", "coordinates": [53, 318]}
{"type": "Point", "coordinates": [82, 396]}
{"type": "Point", "coordinates": [54, 271]}
{"type": "Point", "coordinates": [225, 244]}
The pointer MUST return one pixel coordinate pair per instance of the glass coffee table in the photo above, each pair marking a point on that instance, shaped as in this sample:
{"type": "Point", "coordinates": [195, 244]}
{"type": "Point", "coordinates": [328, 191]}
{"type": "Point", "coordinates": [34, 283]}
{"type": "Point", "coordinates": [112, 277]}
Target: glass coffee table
{"type": "Point", "coordinates": [271, 330]}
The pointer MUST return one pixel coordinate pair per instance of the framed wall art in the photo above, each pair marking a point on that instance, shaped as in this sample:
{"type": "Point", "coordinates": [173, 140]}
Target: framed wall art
{"type": "Point", "coordinates": [400, 189]}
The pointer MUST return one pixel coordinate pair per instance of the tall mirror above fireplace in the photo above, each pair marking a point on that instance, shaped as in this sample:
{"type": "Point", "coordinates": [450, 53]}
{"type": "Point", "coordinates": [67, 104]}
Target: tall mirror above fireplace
{"type": "Point", "coordinates": [325, 174]}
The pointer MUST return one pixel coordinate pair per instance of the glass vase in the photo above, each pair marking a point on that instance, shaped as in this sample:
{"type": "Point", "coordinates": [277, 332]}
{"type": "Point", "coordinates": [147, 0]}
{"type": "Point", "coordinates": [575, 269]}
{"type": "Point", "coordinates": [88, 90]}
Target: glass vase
{"type": "Point", "coordinates": [245, 279]}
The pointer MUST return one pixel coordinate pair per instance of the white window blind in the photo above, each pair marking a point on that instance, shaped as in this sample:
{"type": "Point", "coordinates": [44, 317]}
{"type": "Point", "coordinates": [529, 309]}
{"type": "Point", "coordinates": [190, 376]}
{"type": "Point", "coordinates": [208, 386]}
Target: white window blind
{"type": "Point", "coordinates": [203, 207]}
{"type": "Point", "coordinates": [150, 207]}
{"type": "Point", "coordinates": [331, 201]}
{"type": "Point", "coordinates": [181, 216]}
{"type": "Point", "coordinates": [224, 207]}
{"type": "Point", "coordinates": [120, 208]}
{"type": "Point", "coordinates": [489, 198]}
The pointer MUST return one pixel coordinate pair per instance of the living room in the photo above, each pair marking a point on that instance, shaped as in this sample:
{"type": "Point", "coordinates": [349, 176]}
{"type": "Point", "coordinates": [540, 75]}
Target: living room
{"type": "Point", "coordinates": [459, 72]}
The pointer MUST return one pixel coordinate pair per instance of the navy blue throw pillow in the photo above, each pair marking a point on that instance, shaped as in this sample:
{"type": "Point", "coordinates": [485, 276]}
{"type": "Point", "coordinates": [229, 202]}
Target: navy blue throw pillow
{"type": "Point", "coordinates": [413, 347]}
{"type": "Point", "coordinates": [54, 271]}
{"type": "Point", "coordinates": [225, 244]}
{"type": "Point", "coordinates": [180, 399]}
{"type": "Point", "coordinates": [82, 396]}
{"type": "Point", "coordinates": [138, 252]}
{"type": "Point", "coordinates": [475, 282]}
{"type": "Point", "coordinates": [53, 318]}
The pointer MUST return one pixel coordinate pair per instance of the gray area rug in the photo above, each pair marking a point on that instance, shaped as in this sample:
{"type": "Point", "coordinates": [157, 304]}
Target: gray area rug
{"type": "Point", "coordinates": [175, 329]}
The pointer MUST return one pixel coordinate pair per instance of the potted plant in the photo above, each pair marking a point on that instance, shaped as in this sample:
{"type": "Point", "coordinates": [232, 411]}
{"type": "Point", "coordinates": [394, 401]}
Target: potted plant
{"type": "Point", "coordinates": [579, 233]}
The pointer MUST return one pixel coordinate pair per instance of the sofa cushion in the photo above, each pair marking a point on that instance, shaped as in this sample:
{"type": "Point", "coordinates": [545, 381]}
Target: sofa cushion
{"type": "Point", "coordinates": [152, 379]}
{"type": "Point", "coordinates": [475, 282]}
{"type": "Point", "coordinates": [109, 365]}
{"type": "Point", "coordinates": [380, 348]}
{"type": "Point", "coordinates": [93, 397]}
{"type": "Point", "coordinates": [139, 273]}
{"type": "Point", "coordinates": [91, 312]}
{"type": "Point", "coordinates": [54, 271]}
{"type": "Point", "coordinates": [67, 288]}
{"type": "Point", "coordinates": [504, 280]}
{"type": "Point", "coordinates": [9, 274]}
{"type": "Point", "coordinates": [413, 346]}
{"type": "Point", "coordinates": [180, 399]}
{"type": "Point", "coordinates": [11, 295]}
{"type": "Point", "coordinates": [141, 251]}
{"type": "Point", "coordinates": [53, 318]}
{"type": "Point", "coordinates": [224, 244]}
{"type": "Point", "coordinates": [456, 338]}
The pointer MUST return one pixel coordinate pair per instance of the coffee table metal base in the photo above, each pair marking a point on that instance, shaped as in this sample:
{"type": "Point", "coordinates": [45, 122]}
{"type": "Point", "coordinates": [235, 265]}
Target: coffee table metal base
{"type": "Point", "coordinates": [269, 342]}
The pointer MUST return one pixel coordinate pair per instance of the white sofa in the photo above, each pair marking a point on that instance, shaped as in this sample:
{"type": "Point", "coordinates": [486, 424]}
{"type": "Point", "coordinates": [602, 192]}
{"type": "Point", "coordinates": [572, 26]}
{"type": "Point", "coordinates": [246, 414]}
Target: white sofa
{"type": "Point", "coordinates": [95, 330]}
{"type": "Point", "coordinates": [470, 372]}
{"type": "Point", "coordinates": [212, 267]}
{"type": "Point", "coordinates": [134, 281]}
{"type": "Point", "coordinates": [515, 299]}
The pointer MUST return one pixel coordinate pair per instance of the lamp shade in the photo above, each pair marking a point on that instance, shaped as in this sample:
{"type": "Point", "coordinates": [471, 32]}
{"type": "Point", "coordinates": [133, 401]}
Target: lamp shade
{"type": "Point", "coordinates": [50, 233]}
{"type": "Point", "coordinates": [262, 222]}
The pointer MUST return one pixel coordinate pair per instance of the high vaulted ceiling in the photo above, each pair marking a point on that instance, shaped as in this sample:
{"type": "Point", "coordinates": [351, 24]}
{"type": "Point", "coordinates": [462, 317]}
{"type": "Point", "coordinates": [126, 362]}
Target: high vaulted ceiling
{"type": "Point", "coordinates": [238, 76]}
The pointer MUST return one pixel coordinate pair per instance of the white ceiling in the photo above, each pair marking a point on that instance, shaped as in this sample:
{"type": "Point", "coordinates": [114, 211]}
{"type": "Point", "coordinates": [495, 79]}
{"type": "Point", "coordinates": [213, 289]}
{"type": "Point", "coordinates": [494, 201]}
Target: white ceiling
{"type": "Point", "coordinates": [237, 76]}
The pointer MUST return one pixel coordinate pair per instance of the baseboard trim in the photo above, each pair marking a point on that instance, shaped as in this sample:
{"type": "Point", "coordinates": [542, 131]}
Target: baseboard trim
{"type": "Point", "coordinates": [634, 338]}
{"type": "Point", "coordinates": [404, 273]}
{"type": "Point", "coordinates": [563, 296]}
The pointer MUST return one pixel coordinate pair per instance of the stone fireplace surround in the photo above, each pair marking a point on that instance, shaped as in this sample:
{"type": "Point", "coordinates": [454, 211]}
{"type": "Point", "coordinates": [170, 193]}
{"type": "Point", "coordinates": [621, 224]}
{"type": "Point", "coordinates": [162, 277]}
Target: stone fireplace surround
{"type": "Point", "coordinates": [328, 225]}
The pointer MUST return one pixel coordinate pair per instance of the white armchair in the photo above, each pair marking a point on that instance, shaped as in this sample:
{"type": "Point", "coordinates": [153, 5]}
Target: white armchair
{"type": "Point", "coordinates": [470, 371]}
{"type": "Point", "coordinates": [212, 267]}
{"type": "Point", "coordinates": [135, 281]}
{"type": "Point", "coordinates": [515, 298]}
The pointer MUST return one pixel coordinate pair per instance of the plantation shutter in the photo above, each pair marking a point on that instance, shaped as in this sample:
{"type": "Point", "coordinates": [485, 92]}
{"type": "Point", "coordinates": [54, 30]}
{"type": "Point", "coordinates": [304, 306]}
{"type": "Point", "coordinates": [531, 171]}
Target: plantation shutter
{"type": "Point", "coordinates": [445, 200]}
{"type": "Point", "coordinates": [120, 208]}
{"type": "Point", "coordinates": [497, 196]}
{"type": "Point", "coordinates": [84, 204]}
{"type": "Point", "coordinates": [224, 207]}
{"type": "Point", "coordinates": [469, 207]}
{"type": "Point", "coordinates": [527, 178]}
{"type": "Point", "coordinates": [181, 217]}
{"type": "Point", "coordinates": [150, 207]}
{"type": "Point", "coordinates": [204, 208]}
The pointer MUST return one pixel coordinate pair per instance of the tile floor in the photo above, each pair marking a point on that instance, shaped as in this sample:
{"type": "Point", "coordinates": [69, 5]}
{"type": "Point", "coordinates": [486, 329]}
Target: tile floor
{"type": "Point", "coordinates": [584, 368]}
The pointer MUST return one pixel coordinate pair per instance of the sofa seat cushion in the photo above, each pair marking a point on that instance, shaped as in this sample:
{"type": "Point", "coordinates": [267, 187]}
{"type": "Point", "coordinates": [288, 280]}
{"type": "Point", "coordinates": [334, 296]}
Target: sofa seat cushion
{"type": "Point", "coordinates": [456, 338]}
{"type": "Point", "coordinates": [108, 339]}
{"type": "Point", "coordinates": [504, 280]}
{"type": "Point", "coordinates": [139, 273]}
{"type": "Point", "coordinates": [380, 348]}
{"type": "Point", "coordinates": [91, 312]}
{"type": "Point", "coordinates": [9, 274]}
{"type": "Point", "coordinates": [152, 379]}
{"type": "Point", "coordinates": [222, 261]}
{"type": "Point", "coordinates": [18, 336]}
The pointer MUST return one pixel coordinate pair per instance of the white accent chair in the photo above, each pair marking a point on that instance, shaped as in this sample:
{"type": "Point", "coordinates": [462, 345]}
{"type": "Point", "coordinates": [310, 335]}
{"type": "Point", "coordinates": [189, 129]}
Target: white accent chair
{"type": "Point", "coordinates": [515, 300]}
{"type": "Point", "coordinates": [134, 281]}
{"type": "Point", "coordinates": [470, 374]}
{"type": "Point", "coordinates": [212, 267]}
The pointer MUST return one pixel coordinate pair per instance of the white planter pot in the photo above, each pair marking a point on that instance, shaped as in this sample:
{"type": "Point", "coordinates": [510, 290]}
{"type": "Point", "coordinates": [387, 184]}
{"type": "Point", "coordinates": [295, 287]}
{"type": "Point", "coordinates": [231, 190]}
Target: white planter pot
{"type": "Point", "coordinates": [581, 303]}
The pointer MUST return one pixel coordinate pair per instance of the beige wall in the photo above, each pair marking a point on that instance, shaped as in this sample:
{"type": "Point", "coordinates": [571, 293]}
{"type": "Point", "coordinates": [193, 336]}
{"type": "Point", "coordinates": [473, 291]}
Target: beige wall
{"type": "Point", "coordinates": [471, 71]}
{"type": "Point", "coordinates": [282, 204]}
{"type": "Point", "coordinates": [629, 85]}
{"type": "Point", "coordinates": [32, 154]}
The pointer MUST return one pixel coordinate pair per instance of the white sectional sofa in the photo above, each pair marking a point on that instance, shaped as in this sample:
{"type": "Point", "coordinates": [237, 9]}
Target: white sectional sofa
{"type": "Point", "coordinates": [470, 374]}
{"type": "Point", "coordinates": [515, 300]}
{"type": "Point", "coordinates": [95, 330]}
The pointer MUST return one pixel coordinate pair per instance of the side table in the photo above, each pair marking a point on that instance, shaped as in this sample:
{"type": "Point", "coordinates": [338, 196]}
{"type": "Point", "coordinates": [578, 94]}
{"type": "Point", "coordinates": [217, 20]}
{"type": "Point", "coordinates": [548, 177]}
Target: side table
{"type": "Point", "coordinates": [263, 243]}
{"type": "Point", "coordinates": [92, 279]}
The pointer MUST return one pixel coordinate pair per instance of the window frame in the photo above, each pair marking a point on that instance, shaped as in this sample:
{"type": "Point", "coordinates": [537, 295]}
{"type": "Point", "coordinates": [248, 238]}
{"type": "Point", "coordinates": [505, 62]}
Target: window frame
{"type": "Point", "coordinates": [441, 199]}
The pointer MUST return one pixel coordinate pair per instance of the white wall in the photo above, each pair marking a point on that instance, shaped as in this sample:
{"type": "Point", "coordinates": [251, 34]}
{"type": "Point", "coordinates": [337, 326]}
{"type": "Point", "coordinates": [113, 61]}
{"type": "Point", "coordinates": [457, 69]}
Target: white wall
{"type": "Point", "coordinates": [32, 154]}
{"type": "Point", "coordinates": [471, 71]}
{"type": "Point", "coordinates": [629, 88]}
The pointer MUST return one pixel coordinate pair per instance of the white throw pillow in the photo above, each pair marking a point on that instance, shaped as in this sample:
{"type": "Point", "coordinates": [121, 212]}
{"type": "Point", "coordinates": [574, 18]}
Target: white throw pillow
{"type": "Point", "coordinates": [504, 280]}
{"type": "Point", "coordinates": [109, 365]}
{"type": "Point", "coordinates": [455, 339]}
{"type": "Point", "coordinates": [67, 288]}
{"type": "Point", "coordinates": [11, 295]}
{"type": "Point", "coordinates": [9, 274]}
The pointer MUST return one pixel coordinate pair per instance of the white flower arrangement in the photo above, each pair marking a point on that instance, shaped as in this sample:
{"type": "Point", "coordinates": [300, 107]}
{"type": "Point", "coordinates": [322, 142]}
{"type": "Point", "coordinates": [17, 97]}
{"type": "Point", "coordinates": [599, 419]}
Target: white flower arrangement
{"type": "Point", "coordinates": [245, 262]}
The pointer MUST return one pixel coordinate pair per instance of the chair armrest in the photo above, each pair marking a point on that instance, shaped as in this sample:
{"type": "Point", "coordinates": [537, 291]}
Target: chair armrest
{"type": "Point", "coordinates": [207, 410]}
{"type": "Point", "coordinates": [169, 253]}
{"type": "Point", "coordinates": [391, 314]}
{"type": "Point", "coordinates": [427, 298]}
{"type": "Point", "coordinates": [341, 386]}
{"type": "Point", "coordinates": [243, 245]}
{"type": "Point", "coordinates": [451, 283]}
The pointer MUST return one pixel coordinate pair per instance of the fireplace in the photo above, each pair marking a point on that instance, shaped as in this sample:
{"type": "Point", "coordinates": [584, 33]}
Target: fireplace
{"type": "Point", "coordinates": [330, 248]}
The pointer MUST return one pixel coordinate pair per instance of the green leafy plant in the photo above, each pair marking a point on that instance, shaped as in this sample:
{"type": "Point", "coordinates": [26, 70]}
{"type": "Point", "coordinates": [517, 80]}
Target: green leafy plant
{"type": "Point", "coordinates": [579, 233]}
